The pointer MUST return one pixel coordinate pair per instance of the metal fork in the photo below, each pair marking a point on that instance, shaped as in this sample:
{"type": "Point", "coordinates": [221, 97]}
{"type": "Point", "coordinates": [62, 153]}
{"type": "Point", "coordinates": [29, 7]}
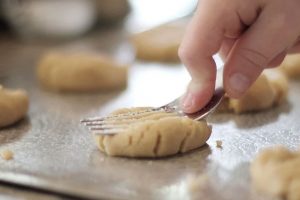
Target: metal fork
{"type": "Point", "coordinates": [111, 125]}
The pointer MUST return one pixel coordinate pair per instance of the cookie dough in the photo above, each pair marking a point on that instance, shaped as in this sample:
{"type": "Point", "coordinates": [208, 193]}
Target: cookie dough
{"type": "Point", "coordinates": [13, 105]}
{"type": "Point", "coordinates": [275, 171]}
{"type": "Point", "coordinates": [291, 65]}
{"type": "Point", "coordinates": [279, 82]}
{"type": "Point", "coordinates": [219, 144]}
{"type": "Point", "coordinates": [156, 135]}
{"type": "Point", "coordinates": [7, 154]}
{"type": "Point", "coordinates": [160, 43]}
{"type": "Point", "coordinates": [74, 72]}
{"type": "Point", "coordinates": [269, 90]}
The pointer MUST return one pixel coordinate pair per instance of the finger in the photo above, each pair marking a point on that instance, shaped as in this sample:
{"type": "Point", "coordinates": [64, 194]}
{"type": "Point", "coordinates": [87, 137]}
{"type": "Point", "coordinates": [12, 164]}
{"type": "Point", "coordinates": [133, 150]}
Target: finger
{"type": "Point", "coordinates": [256, 48]}
{"type": "Point", "coordinates": [295, 48]}
{"type": "Point", "coordinates": [202, 40]}
{"type": "Point", "coordinates": [226, 47]}
{"type": "Point", "coordinates": [277, 60]}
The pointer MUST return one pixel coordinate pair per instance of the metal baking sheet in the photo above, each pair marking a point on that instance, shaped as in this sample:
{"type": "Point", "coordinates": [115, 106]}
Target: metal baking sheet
{"type": "Point", "coordinates": [53, 151]}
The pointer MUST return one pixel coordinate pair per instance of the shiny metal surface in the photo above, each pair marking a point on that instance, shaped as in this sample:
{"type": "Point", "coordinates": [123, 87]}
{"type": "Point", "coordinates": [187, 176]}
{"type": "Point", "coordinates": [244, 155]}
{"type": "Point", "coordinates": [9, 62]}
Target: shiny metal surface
{"type": "Point", "coordinates": [54, 152]}
{"type": "Point", "coordinates": [109, 125]}
{"type": "Point", "coordinates": [9, 192]}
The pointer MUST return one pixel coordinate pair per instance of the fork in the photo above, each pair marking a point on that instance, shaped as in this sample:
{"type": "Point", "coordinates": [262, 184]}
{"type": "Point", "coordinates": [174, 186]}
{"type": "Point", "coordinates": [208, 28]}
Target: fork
{"type": "Point", "coordinates": [113, 124]}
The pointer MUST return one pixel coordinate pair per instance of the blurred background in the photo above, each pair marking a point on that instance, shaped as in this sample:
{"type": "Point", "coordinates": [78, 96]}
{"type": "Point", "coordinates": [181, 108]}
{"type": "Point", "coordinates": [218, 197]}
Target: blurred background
{"type": "Point", "coordinates": [50, 146]}
{"type": "Point", "coordinates": [31, 28]}
{"type": "Point", "coordinates": [65, 19]}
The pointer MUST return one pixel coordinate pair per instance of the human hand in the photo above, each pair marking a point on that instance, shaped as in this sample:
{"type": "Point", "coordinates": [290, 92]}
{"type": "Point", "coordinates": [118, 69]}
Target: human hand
{"type": "Point", "coordinates": [250, 35]}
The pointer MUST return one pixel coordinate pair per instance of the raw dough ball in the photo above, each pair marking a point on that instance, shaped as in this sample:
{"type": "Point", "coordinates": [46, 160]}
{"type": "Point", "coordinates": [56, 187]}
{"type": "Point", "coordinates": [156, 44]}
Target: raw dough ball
{"type": "Point", "coordinates": [268, 90]}
{"type": "Point", "coordinates": [279, 83]}
{"type": "Point", "coordinates": [291, 65]}
{"type": "Point", "coordinates": [155, 135]}
{"type": "Point", "coordinates": [70, 72]}
{"type": "Point", "coordinates": [13, 106]}
{"type": "Point", "coordinates": [275, 171]}
{"type": "Point", "coordinates": [160, 43]}
{"type": "Point", "coordinates": [260, 96]}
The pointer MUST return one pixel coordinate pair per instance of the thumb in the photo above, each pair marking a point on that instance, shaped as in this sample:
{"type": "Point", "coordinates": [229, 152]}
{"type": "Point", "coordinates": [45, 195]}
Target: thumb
{"type": "Point", "coordinates": [255, 49]}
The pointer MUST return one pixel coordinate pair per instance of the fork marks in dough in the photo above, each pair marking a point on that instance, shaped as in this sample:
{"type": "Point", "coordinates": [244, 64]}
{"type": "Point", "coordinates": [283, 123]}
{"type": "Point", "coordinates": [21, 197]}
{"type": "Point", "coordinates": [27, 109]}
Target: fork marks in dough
{"type": "Point", "coordinates": [155, 135]}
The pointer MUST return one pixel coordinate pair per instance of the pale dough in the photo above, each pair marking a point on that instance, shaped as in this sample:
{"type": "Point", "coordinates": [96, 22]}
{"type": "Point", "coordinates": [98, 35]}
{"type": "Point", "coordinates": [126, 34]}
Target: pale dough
{"type": "Point", "coordinates": [279, 82]}
{"type": "Point", "coordinates": [269, 90]}
{"type": "Point", "coordinates": [13, 105]}
{"type": "Point", "coordinates": [7, 154]}
{"type": "Point", "coordinates": [156, 135]}
{"type": "Point", "coordinates": [160, 43]}
{"type": "Point", "coordinates": [276, 171]}
{"type": "Point", "coordinates": [74, 72]}
{"type": "Point", "coordinates": [219, 144]}
{"type": "Point", "coordinates": [291, 65]}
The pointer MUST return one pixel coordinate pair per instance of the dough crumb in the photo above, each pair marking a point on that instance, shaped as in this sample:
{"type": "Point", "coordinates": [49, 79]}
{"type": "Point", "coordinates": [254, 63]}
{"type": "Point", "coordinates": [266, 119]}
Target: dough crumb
{"type": "Point", "coordinates": [219, 143]}
{"type": "Point", "coordinates": [7, 154]}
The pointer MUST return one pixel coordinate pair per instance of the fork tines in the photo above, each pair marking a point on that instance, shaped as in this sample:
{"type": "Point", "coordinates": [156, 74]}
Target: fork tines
{"type": "Point", "coordinates": [122, 116]}
{"type": "Point", "coordinates": [113, 124]}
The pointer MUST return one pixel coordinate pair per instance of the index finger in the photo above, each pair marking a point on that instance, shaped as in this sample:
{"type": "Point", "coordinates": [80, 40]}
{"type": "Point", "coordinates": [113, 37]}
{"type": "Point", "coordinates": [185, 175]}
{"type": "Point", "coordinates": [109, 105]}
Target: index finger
{"type": "Point", "coordinates": [203, 39]}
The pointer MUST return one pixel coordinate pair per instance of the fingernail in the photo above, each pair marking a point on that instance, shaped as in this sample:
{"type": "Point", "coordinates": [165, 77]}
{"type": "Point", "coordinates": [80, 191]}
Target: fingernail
{"type": "Point", "coordinates": [188, 101]}
{"type": "Point", "coordinates": [239, 82]}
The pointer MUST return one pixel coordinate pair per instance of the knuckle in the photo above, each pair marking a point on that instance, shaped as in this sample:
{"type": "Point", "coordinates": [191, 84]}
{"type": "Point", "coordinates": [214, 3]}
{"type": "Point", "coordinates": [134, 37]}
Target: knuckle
{"type": "Point", "coordinates": [254, 57]}
{"type": "Point", "coordinates": [187, 56]}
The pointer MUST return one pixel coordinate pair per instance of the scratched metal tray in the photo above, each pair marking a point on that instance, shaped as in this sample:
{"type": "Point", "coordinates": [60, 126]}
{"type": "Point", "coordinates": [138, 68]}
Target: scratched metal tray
{"type": "Point", "coordinates": [52, 151]}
